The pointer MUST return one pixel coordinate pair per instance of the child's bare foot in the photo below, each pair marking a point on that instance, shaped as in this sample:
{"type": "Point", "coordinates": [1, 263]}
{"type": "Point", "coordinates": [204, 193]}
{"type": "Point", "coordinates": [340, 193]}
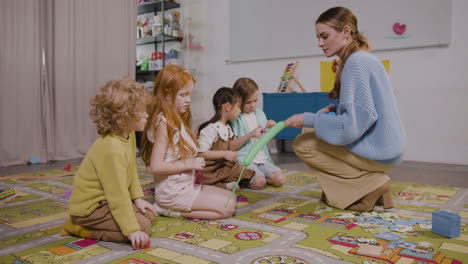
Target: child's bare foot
{"type": "Point", "coordinates": [230, 185]}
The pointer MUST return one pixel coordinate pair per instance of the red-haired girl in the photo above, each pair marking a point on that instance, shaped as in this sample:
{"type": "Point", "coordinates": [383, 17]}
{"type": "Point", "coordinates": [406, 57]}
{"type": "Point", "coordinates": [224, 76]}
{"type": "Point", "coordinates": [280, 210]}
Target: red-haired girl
{"type": "Point", "coordinates": [169, 148]}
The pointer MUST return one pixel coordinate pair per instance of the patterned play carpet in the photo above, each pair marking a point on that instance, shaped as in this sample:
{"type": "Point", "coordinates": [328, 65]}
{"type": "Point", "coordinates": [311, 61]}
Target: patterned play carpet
{"type": "Point", "coordinates": [274, 225]}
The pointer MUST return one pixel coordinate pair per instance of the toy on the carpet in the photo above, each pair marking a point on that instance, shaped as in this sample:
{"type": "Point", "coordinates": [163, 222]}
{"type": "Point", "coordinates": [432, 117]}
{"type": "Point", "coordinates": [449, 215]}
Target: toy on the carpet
{"type": "Point", "coordinates": [58, 190]}
{"type": "Point", "coordinates": [446, 224]}
{"type": "Point", "coordinates": [147, 245]}
{"type": "Point", "coordinates": [67, 194]}
{"type": "Point", "coordinates": [262, 141]}
{"type": "Point", "coordinates": [68, 167]}
{"type": "Point", "coordinates": [34, 159]}
{"type": "Point", "coordinates": [6, 194]}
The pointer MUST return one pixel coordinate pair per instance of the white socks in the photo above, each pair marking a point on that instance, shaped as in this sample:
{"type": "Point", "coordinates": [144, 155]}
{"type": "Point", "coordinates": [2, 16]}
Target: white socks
{"type": "Point", "coordinates": [165, 212]}
{"type": "Point", "coordinates": [230, 185]}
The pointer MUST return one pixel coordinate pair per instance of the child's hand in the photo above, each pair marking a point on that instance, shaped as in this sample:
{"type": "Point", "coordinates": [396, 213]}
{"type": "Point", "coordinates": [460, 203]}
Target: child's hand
{"type": "Point", "coordinates": [270, 123]}
{"type": "Point", "coordinates": [230, 155]}
{"type": "Point", "coordinates": [142, 205]}
{"type": "Point", "coordinates": [138, 239]}
{"type": "Point", "coordinates": [197, 163]}
{"type": "Point", "coordinates": [256, 132]}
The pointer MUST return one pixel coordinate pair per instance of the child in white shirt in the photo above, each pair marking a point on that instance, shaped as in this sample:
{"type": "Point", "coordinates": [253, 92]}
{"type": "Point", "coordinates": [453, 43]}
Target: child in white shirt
{"type": "Point", "coordinates": [215, 136]}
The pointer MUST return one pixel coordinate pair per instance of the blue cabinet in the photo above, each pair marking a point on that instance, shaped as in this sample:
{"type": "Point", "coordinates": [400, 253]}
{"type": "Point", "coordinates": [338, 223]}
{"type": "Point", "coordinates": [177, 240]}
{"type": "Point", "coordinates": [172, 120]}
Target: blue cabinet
{"type": "Point", "coordinates": [280, 106]}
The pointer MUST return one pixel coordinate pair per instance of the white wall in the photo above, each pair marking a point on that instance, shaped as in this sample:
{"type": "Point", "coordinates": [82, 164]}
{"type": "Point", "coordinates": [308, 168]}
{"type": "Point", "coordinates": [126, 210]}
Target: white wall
{"type": "Point", "coordinates": [431, 84]}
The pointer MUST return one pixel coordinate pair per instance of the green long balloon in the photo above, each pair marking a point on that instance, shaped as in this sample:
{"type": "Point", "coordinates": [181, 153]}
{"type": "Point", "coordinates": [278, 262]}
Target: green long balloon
{"type": "Point", "coordinates": [262, 141]}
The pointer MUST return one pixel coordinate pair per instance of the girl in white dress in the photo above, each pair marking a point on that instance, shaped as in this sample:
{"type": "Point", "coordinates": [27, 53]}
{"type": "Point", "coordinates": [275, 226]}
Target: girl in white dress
{"type": "Point", "coordinates": [169, 148]}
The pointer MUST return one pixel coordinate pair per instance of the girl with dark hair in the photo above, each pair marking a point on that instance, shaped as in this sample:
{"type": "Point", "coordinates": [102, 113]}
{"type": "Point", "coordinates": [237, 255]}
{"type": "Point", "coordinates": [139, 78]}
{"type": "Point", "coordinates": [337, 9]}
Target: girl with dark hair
{"type": "Point", "coordinates": [215, 136]}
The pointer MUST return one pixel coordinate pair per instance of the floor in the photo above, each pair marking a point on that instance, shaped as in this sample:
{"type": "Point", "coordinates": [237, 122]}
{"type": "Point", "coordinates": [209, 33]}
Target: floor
{"type": "Point", "coordinates": [408, 171]}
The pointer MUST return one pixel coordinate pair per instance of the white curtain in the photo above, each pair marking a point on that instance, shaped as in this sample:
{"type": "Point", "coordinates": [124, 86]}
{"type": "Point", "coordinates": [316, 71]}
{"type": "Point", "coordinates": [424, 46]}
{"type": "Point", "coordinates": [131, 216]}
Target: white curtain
{"type": "Point", "coordinates": [94, 42]}
{"type": "Point", "coordinates": [86, 43]}
{"type": "Point", "coordinates": [21, 129]}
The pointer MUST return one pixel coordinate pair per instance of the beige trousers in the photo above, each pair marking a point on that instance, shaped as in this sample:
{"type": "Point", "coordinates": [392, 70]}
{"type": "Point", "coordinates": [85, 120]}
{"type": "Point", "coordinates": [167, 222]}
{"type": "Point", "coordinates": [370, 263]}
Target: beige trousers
{"type": "Point", "coordinates": [104, 227]}
{"type": "Point", "coordinates": [344, 176]}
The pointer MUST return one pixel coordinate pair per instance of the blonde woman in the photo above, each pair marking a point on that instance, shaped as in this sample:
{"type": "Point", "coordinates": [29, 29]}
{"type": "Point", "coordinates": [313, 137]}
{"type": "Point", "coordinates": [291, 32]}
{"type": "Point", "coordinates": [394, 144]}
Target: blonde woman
{"type": "Point", "coordinates": [352, 150]}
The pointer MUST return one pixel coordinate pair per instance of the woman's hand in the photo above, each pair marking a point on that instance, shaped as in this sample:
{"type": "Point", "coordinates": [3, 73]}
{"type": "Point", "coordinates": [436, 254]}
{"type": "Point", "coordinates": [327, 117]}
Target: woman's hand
{"type": "Point", "coordinates": [138, 239]}
{"type": "Point", "coordinates": [328, 109]}
{"type": "Point", "coordinates": [142, 205]}
{"type": "Point", "coordinates": [296, 121]}
{"type": "Point", "coordinates": [230, 155]}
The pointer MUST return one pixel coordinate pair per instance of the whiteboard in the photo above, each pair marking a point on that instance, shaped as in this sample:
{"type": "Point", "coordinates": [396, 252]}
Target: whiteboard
{"type": "Point", "coordinates": [271, 29]}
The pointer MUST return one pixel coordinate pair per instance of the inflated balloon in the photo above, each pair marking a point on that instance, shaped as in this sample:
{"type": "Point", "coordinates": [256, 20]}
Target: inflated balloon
{"type": "Point", "coordinates": [235, 187]}
{"type": "Point", "coordinates": [262, 141]}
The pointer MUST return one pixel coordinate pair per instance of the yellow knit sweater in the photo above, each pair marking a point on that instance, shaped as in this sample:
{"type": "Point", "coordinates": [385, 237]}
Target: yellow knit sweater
{"type": "Point", "coordinates": [108, 172]}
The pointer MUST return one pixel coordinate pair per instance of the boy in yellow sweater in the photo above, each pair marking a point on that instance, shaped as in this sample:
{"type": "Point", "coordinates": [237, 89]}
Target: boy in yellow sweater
{"type": "Point", "coordinates": [106, 201]}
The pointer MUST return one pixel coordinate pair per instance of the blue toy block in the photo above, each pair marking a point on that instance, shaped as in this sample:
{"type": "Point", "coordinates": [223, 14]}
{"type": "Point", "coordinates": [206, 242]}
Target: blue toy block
{"type": "Point", "coordinates": [446, 224]}
{"type": "Point", "coordinates": [34, 159]}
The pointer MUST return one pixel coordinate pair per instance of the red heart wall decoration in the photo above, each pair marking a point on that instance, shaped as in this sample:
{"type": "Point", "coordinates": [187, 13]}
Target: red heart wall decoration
{"type": "Point", "coordinates": [335, 66]}
{"type": "Point", "coordinates": [399, 29]}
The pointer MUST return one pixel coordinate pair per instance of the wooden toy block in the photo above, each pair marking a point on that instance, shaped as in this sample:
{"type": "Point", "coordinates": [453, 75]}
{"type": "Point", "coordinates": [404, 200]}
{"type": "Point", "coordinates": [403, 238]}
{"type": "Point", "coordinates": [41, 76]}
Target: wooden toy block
{"type": "Point", "coordinates": [58, 191]}
{"type": "Point", "coordinates": [369, 250]}
{"type": "Point", "coordinates": [446, 224]}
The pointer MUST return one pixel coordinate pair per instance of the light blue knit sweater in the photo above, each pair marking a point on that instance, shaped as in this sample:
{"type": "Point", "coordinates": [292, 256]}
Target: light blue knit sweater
{"type": "Point", "coordinates": [367, 120]}
{"type": "Point", "coordinates": [241, 129]}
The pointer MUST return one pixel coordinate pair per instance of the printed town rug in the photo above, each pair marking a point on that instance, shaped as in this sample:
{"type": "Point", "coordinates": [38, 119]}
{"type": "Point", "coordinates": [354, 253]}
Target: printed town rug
{"type": "Point", "coordinates": [271, 226]}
